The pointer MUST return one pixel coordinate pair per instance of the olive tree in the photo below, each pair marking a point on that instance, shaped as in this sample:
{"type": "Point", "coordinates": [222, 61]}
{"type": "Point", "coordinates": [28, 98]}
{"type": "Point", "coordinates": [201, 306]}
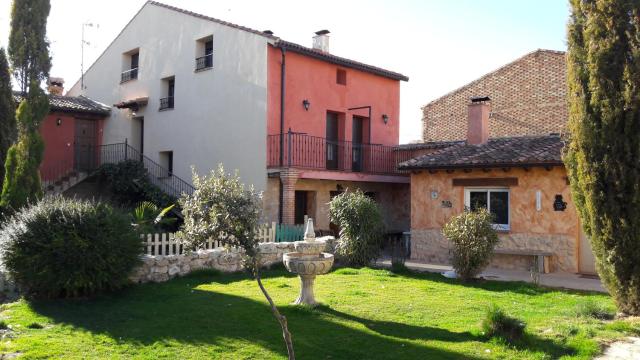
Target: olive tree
{"type": "Point", "coordinates": [222, 208]}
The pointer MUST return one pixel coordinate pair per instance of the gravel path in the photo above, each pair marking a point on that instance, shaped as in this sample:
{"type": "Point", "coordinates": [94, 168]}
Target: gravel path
{"type": "Point", "coordinates": [623, 350]}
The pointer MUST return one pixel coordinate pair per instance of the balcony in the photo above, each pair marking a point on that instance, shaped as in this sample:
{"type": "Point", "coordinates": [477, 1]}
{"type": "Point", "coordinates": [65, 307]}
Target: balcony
{"type": "Point", "coordinates": [204, 62]}
{"type": "Point", "coordinates": [316, 153]}
{"type": "Point", "coordinates": [166, 103]}
{"type": "Point", "coordinates": [129, 75]}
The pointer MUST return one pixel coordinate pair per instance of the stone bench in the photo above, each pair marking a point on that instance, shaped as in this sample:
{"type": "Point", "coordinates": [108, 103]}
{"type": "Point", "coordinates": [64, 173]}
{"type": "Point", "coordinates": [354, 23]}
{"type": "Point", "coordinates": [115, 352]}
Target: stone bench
{"type": "Point", "coordinates": [541, 257]}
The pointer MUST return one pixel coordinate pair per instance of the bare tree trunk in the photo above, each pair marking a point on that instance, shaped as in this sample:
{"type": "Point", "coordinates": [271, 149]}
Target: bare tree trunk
{"type": "Point", "coordinates": [281, 318]}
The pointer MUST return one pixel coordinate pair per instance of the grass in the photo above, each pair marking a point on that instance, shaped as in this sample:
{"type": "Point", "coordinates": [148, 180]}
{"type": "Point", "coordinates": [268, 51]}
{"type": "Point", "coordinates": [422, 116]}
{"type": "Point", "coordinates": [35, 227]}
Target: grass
{"type": "Point", "coordinates": [367, 313]}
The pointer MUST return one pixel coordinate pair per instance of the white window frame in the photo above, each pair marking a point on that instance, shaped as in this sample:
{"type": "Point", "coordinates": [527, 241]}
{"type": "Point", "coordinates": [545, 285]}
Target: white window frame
{"type": "Point", "coordinates": [489, 190]}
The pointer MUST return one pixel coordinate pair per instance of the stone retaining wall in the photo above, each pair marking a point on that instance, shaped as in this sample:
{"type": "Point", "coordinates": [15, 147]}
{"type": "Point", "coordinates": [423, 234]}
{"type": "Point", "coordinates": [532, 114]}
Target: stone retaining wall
{"type": "Point", "coordinates": [162, 268]}
{"type": "Point", "coordinates": [431, 246]}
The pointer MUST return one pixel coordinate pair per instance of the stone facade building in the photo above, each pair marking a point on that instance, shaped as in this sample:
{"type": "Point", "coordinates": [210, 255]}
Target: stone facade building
{"type": "Point", "coordinates": [496, 143]}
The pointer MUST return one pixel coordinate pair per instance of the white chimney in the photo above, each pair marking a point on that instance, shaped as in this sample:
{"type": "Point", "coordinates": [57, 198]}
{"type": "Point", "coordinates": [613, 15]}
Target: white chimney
{"type": "Point", "coordinates": [321, 41]}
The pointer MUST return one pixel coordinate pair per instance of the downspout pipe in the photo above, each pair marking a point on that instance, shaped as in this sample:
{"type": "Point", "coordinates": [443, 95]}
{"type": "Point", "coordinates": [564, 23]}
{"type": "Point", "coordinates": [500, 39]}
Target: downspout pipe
{"type": "Point", "coordinates": [283, 51]}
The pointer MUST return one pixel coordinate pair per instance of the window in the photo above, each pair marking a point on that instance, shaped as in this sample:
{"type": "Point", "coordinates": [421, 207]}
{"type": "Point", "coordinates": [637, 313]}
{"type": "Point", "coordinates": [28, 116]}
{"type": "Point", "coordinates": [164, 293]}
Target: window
{"type": "Point", "coordinates": [495, 200]}
{"type": "Point", "coordinates": [166, 161]}
{"type": "Point", "coordinates": [168, 87]}
{"type": "Point", "coordinates": [130, 64]}
{"type": "Point", "coordinates": [204, 53]}
{"type": "Point", "coordinates": [341, 77]}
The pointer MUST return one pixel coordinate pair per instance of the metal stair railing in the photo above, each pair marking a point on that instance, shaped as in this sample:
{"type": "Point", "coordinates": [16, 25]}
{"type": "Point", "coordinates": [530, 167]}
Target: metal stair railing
{"type": "Point", "coordinates": [159, 175]}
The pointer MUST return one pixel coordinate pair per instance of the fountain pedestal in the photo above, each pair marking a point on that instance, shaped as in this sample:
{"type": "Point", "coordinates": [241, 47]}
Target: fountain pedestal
{"type": "Point", "coordinates": [308, 261]}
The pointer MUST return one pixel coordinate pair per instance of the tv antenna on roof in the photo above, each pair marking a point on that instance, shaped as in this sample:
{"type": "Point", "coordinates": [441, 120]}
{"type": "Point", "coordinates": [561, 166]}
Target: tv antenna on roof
{"type": "Point", "coordinates": [84, 42]}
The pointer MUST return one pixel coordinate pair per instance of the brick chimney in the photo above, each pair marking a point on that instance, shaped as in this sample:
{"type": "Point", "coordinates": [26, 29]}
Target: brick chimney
{"type": "Point", "coordinates": [478, 121]}
{"type": "Point", "coordinates": [55, 85]}
{"type": "Point", "coordinates": [321, 41]}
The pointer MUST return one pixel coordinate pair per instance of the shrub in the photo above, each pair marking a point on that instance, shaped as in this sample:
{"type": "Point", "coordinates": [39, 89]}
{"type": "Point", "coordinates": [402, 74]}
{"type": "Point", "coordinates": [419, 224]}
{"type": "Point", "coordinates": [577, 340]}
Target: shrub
{"type": "Point", "coordinates": [473, 239]}
{"type": "Point", "coordinates": [594, 310]}
{"type": "Point", "coordinates": [498, 324]}
{"type": "Point", "coordinates": [129, 182]}
{"type": "Point", "coordinates": [361, 227]}
{"type": "Point", "coordinates": [65, 248]}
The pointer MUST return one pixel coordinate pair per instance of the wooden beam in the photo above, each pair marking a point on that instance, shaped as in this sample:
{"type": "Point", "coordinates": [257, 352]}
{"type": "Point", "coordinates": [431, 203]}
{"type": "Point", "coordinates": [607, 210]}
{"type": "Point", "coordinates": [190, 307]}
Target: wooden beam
{"type": "Point", "coordinates": [506, 169]}
{"type": "Point", "coordinates": [486, 182]}
{"type": "Point", "coordinates": [450, 171]}
{"type": "Point", "coordinates": [467, 170]}
{"type": "Point", "coordinates": [432, 171]}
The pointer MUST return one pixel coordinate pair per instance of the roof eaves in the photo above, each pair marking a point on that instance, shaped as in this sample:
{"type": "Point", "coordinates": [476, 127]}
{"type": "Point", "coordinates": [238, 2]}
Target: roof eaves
{"type": "Point", "coordinates": [524, 164]}
{"type": "Point", "coordinates": [339, 60]}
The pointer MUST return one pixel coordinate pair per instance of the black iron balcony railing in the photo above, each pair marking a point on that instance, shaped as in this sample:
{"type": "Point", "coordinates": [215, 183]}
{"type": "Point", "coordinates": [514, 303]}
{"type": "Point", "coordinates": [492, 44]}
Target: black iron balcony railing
{"type": "Point", "coordinates": [311, 152]}
{"type": "Point", "coordinates": [166, 103]}
{"type": "Point", "coordinates": [204, 62]}
{"type": "Point", "coordinates": [129, 75]}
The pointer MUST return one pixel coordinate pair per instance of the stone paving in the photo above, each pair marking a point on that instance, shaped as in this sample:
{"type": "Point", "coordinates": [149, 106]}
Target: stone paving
{"type": "Point", "coordinates": [553, 280]}
{"type": "Point", "coordinates": [622, 350]}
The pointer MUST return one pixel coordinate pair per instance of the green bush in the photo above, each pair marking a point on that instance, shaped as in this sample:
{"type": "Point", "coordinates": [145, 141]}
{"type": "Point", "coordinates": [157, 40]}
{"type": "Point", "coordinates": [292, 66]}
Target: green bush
{"type": "Point", "coordinates": [498, 324]}
{"type": "Point", "coordinates": [66, 248]}
{"type": "Point", "coordinates": [361, 227]}
{"type": "Point", "coordinates": [129, 182]}
{"type": "Point", "coordinates": [473, 238]}
{"type": "Point", "coordinates": [594, 310]}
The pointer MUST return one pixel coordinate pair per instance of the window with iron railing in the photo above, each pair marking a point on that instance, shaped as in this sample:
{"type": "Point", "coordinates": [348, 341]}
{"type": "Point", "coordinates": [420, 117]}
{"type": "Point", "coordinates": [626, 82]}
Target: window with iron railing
{"type": "Point", "coordinates": [131, 59]}
{"type": "Point", "coordinates": [169, 86]}
{"type": "Point", "coordinates": [205, 46]}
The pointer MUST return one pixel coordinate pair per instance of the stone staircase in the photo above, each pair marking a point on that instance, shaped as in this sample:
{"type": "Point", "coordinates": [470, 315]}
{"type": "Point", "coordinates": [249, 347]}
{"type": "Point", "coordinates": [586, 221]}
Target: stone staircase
{"type": "Point", "coordinates": [63, 183]}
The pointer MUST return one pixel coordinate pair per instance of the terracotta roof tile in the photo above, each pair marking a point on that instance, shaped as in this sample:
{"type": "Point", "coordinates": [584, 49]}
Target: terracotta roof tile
{"type": "Point", "coordinates": [498, 152]}
{"type": "Point", "coordinates": [339, 60]}
{"type": "Point", "coordinates": [77, 104]}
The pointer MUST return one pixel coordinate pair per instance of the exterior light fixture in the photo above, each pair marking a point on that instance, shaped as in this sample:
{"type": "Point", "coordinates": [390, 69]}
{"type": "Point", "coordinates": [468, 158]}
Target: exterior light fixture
{"type": "Point", "coordinates": [59, 122]}
{"type": "Point", "coordinates": [385, 118]}
{"type": "Point", "coordinates": [306, 104]}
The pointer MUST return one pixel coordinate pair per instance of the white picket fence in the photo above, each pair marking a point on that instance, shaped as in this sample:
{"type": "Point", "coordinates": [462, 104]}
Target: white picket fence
{"type": "Point", "coordinates": [168, 244]}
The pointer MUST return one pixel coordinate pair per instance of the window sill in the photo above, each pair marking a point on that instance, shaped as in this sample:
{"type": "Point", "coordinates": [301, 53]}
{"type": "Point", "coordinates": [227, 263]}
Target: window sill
{"type": "Point", "coordinates": [501, 228]}
{"type": "Point", "coordinates": [126, 81]}
{"type": "Point", "coordinates": [166, 109]}
{"type": "Point", "coordinates": [203, 69]}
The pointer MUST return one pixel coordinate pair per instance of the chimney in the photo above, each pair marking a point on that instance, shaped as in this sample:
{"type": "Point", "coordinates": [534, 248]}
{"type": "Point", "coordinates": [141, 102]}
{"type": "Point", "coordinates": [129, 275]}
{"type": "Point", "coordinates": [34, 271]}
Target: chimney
{"type": "Point", "coordinates": [478, 121]}
{"type": "Point", "coordinates": [321, 41]}
{"type": "Point", "coordinates": [267, 32]}
{"type": "Point", "coordinates": [55, 85]}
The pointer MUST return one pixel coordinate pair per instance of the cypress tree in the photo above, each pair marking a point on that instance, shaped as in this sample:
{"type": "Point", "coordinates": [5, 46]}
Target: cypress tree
{"type": "Point", "coordinates": [7, 113]}
{"type": "Point", "coordinates": [603, 154]}
{"type": "Point", "coordinates": [29, 56]}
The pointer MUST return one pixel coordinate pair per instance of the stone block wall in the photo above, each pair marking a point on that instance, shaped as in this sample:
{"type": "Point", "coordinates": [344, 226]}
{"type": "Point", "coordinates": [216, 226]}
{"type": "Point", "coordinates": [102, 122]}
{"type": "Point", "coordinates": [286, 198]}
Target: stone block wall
{"type": "Point", "coordinates": [429, 245]}
{"type": "Point", "coordinates": [162, 268]}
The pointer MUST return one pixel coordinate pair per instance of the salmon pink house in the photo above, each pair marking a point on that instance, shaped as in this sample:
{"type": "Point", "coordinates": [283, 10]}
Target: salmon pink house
{"type": "Point", "coordinates": [299, 123]}
{"type": "Point", "coordinates": [333, 124]}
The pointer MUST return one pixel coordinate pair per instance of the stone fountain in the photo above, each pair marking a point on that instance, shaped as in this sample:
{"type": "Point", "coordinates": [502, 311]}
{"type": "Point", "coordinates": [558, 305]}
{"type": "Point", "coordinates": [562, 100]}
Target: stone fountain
{"type": "Point", "coordinates": [308, 261]}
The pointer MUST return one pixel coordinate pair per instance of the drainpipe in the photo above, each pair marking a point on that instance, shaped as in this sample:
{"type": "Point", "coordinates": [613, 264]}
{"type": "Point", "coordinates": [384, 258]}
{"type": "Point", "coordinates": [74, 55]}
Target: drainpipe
{"type": "Point", "coordinates": [282, 93]}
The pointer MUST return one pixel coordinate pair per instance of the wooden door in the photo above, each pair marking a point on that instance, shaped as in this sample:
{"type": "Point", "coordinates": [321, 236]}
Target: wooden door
{"type": "Point", "coordinates": [332, 141]}
{"type": "Point", "coordinates": [587, 260]}
{"type": "Point", "coordinates": [300, 206]}
{"type": "Point", "coordinates": [85, 144]}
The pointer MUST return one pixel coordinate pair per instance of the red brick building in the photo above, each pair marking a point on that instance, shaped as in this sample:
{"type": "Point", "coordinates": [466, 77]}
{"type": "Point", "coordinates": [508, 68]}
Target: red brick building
{"type": "Point", "coordinates": [528, 97]}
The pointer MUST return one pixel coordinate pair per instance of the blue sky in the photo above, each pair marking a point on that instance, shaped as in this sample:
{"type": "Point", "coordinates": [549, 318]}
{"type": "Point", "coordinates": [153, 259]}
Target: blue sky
{"type": "Point", "coordinates": [439, 44]}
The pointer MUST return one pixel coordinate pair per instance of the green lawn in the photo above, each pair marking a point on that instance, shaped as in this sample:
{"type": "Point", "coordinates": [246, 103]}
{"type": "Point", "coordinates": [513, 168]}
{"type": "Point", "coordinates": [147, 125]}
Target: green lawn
{"type": "Point", "coordinates": [368, 314]}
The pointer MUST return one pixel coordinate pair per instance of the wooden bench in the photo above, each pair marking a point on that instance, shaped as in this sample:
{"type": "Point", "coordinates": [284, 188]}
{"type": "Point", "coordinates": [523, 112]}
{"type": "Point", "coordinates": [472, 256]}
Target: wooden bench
{"type": "Point", "coordinates": [541, 257]}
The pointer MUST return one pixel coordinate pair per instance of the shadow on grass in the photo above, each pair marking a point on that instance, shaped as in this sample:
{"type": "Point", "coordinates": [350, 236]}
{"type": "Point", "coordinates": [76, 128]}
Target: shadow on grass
{"type": "Point", "coordinates": [529, 342]}
{"type": "Point", "coordinates": [177, 310]}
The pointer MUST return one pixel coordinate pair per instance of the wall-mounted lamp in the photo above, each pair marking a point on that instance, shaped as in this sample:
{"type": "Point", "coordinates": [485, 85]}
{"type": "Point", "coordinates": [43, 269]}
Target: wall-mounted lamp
{"type": "Point", "coordinates": [59, 122]}
{"type": "Point", "coordinates": [306, 104]}
{"type": "Point", "coordinates": [385, 118]}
